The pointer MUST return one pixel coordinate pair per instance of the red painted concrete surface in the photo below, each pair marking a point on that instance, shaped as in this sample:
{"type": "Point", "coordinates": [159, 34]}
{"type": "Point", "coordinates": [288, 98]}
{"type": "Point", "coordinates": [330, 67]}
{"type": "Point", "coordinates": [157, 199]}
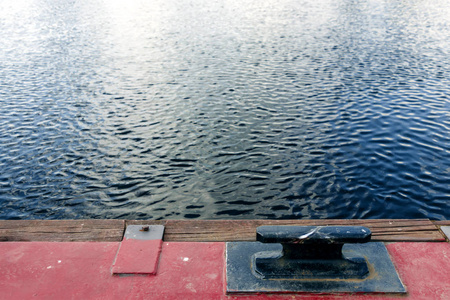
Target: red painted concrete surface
{"type": "Point", "coordinates": [38, 270]}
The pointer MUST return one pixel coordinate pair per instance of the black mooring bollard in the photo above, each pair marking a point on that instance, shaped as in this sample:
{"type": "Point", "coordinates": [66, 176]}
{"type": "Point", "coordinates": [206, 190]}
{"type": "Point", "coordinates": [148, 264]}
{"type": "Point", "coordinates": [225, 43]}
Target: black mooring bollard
{"type": "Point", "coordinates": [313, 252]}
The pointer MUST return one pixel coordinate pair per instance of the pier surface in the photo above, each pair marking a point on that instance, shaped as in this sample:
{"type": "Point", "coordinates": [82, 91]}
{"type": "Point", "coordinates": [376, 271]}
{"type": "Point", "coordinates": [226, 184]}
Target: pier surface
{"type": "Point", "coordinates": [85, 259]}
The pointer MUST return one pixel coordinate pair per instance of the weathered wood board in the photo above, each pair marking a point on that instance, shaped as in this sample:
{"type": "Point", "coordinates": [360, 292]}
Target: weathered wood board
{"type": "Point", "coordinates": [422, 230]}
{"type": "Point", "coordinates": [62, 230]}
{"type": "Point", "coordinates": [442, 223]}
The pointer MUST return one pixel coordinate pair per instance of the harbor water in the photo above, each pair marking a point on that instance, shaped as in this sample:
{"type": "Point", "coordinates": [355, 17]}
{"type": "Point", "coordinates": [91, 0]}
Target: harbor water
{"type": "Point", "coordinates": [208, 109]}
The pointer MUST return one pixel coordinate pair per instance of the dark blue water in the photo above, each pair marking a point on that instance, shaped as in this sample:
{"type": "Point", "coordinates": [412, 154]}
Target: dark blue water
{"type": "Point", "coordinates": [224, 109]}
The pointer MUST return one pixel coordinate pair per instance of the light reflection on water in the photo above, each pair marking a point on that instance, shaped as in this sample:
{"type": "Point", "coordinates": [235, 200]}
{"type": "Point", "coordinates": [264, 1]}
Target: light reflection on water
{"type": "Point", "coordinates": [224, 109]}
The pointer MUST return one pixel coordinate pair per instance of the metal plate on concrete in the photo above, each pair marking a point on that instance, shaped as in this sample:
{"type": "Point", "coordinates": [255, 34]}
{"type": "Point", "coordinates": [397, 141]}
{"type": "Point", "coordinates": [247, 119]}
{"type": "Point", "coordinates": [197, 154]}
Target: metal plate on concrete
{"type": "Point", "coordinates": [144, 232]}
{"type": "Point", "coordinates": [137, 257]}
{"type": "Point", "coordinates": [446, 231]}
{"type": "Point", "coordinates": [140, 250]}
{"type": "Point", "coordinates": [383, 277]}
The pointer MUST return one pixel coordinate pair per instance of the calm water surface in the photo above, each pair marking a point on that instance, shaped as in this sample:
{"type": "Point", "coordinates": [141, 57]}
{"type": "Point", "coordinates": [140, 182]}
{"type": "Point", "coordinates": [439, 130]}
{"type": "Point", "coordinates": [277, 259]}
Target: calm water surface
{"type": "Point", "coordinates": [224, 109]}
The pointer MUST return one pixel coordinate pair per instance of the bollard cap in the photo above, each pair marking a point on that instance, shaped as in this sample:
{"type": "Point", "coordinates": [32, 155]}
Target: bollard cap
{"type": "Point", "coordinates": [313, 234]}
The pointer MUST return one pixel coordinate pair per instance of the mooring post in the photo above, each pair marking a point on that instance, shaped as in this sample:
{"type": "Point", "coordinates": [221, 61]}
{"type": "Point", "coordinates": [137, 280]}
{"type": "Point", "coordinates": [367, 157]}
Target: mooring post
{"type": "Point", "coordinates": [310, 252]}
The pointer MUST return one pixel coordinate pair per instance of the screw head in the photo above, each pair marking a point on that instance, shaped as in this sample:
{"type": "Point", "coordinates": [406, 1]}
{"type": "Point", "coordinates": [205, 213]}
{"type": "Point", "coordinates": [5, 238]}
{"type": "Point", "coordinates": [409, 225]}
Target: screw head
{"type": "Point", "coordinates": [144, 228]}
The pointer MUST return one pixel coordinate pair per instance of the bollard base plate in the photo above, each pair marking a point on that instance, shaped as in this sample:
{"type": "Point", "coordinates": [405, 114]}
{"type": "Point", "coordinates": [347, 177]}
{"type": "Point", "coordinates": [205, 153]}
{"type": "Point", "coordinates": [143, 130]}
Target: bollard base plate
{"type": "Point", "coordinates": [382, 278]}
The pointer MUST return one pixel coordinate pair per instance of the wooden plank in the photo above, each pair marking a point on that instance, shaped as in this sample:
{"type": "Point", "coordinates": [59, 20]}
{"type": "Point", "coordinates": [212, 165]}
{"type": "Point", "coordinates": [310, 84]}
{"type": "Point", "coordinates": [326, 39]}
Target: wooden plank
{"type": "Point", "coordinates": [145, 222]}
{"type": "Point", "coordinates": [203, 230]}
{"type": "Point", "coordinates": [244, 230]}
{"type": "Point", "coordinates": [62, 230]}
{"type": "Point", "coordinates": [442, 223]}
